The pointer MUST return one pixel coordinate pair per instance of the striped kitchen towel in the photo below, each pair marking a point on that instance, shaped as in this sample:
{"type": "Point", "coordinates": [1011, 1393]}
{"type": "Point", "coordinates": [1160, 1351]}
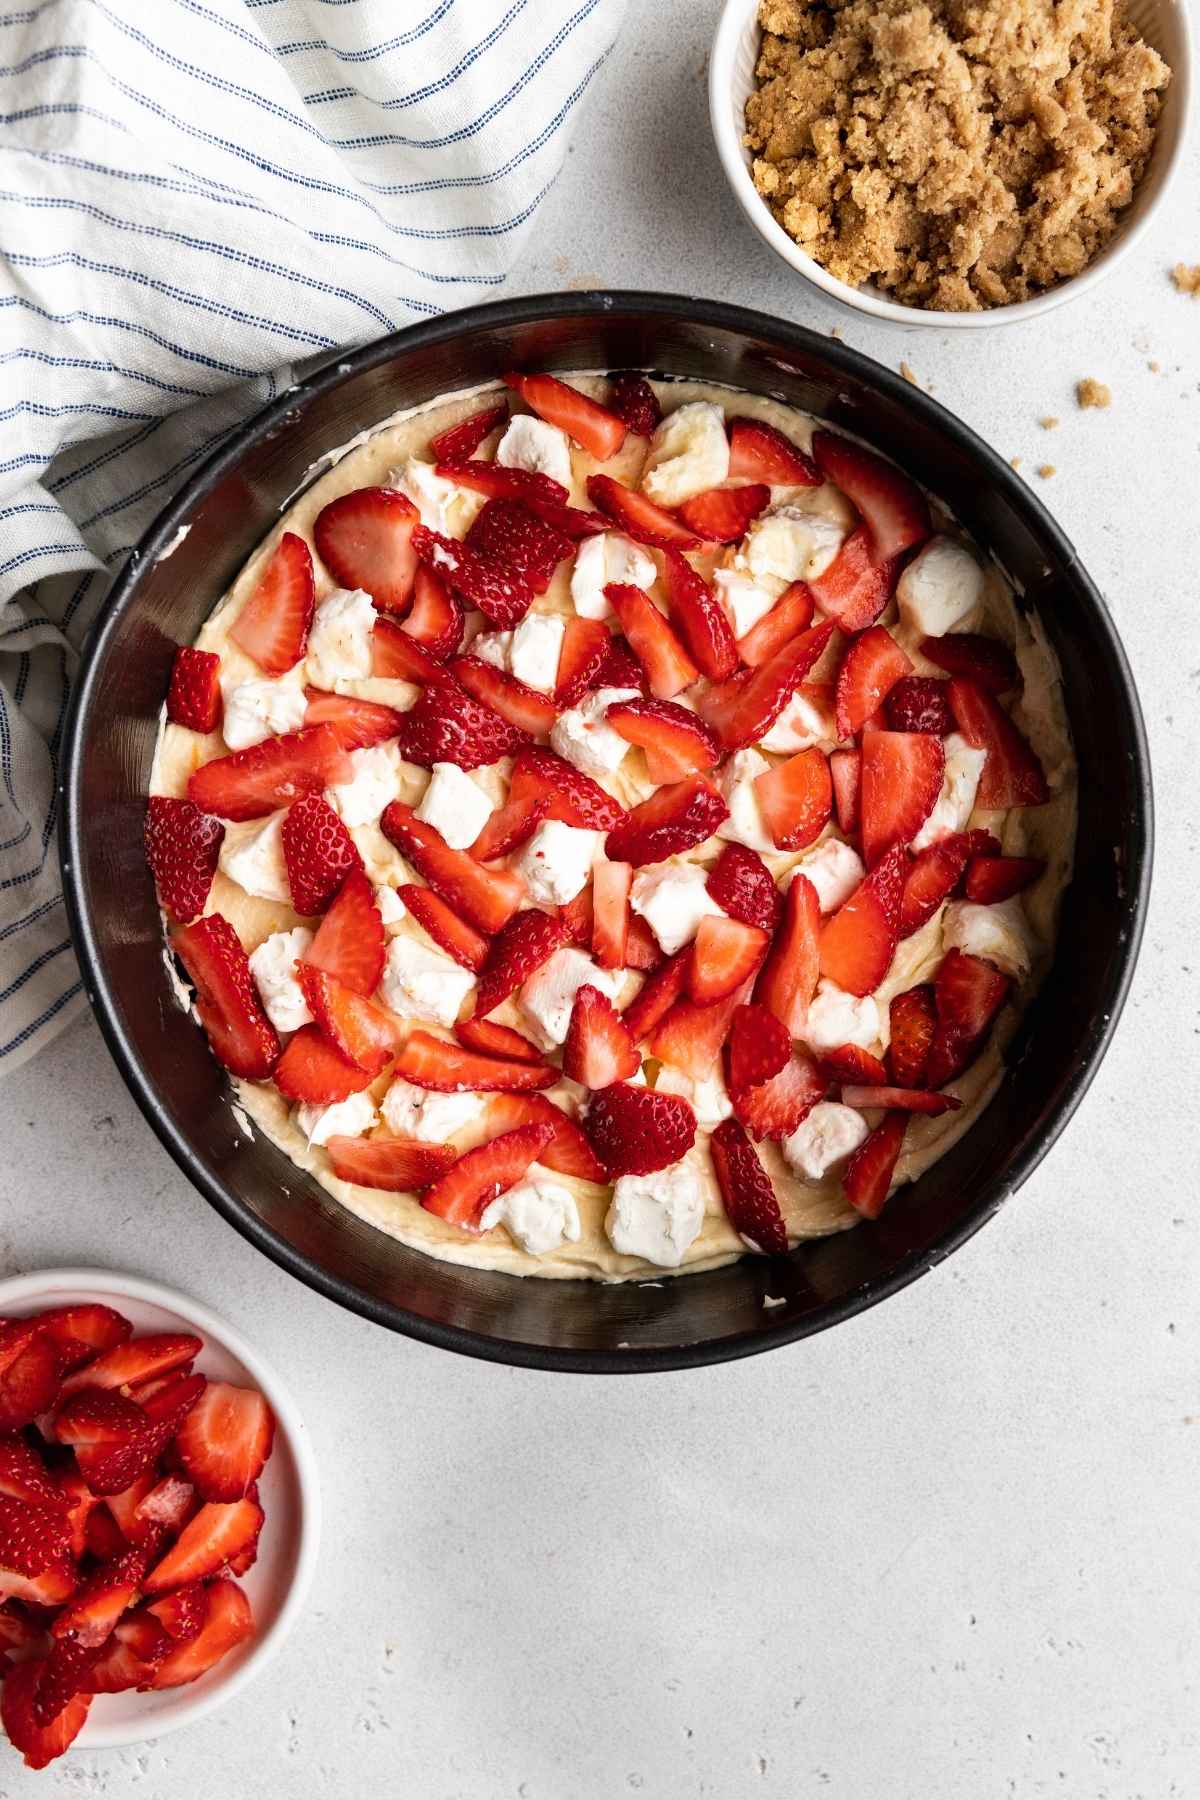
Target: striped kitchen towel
{"type": "Point", "coordinates": [196, 195]}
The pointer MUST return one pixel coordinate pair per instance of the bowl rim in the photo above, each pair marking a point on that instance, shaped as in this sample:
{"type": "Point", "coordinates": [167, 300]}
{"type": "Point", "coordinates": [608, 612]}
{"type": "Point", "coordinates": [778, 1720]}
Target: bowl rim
{"type": "Point", "coordinates": [734, 18]}
{"type": "Point", "coordinates": [48, 1287]}
{"type": "Point", "coordinates": [537, 309]}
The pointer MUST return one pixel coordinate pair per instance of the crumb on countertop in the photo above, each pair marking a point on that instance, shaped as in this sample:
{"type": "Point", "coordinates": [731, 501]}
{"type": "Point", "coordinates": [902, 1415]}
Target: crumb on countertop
{"type": "Point", "coordinates": [1154, 368]}
{"type": "Point", "coordinates": [1014, 462]}
{"type": "Point", "coordinates": [1050, 422]}
{"type": "Point", "coordinates": [1092, 393]}
{"type": "Point", "coordinates": [961, 155]}
{"type": "Point", "coordinates": [1046, 470]}
{"type": "Point", "coordinates": [1187, 277]}
{"type": "Point", "coordinates": [909, 375]}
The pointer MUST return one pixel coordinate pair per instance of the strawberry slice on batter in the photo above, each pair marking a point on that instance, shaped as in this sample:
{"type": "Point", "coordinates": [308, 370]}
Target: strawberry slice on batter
{"type": "Point", "coordinates": [435, 618]}
{"type": "Point", "coordinates": [968, 994]}
{"type": "Point", "coordinates": [445, 925]}
{"type": "Point", "coordinates": [570, 795]}
{"type": "Point", "coordinates": [248, 784]}
{"type": "Point", "coordinates": [901, 779]}
{"type": "Point", "coordinates": [510, 534]}
{"type": "Point", "coordinates": [747, 1190]}
{"type": "Point", "coordinates": [461, 1195]}
{"type": "Point", "coordinates": [871, 667]}
{"type": "Point", "coordinates": [851, 1063]}
{"type": "Point", "coordinates": [918, 703]}
{"type": "Point", "coordinates": [598, 1048]}
{"type": "Point", "coordinates": [1012, 774]}
{"type": "Point", "coordinates": [500, 482]}
{"type": "Point", "coordinates": [446, 1068]}
{"type": "Point", "coordinates": [991, 879]}
{"type": "Point", "coordinates": [677, 743]}
{"type": "Point", "coordinates": [568, 1151]}
{"type": "Point", "coordinates": [658, 994]}
{"type": "Point", "coordinates": [486, 898]}
{"type": "Point", "coordinates": [796, 799]}
{"type": "Point", "coordinates": [366, 1034]}
{"type": "Point", "coordinates": [519, 949]}
{"type": "Point", "coordinates": [365, 540]}
{"type": "Point", "coordinates": [638, 516]}
{"type": "Point", "coordinates": [401, 1165]}
{"type": "Point", "coordinates": [496, 1040]}
{"type": "Point", "coordinates": [594, 427]}
{"type": "Point", "coordinates": [858, 942]}
{"type": "Point", "coordinates": [318, 853]}
{"type": "Point", "coordinates": [312, 1071]}
{"type": "Point", "coordinates": [791, 614]}
{"type": "Point", "coordinates": [691, 1038]}
{"type": "Point", "coordinates": [789, 977]}
{"type": "Point", "coordinates": [899, 1099]}
{"type": "Point", "coordinates": [775, 1108]}
{"type": "Point", "coordinates": [182, 847]}
{"type": "Point", "coordinates": [759, 1046]}
{"type": "Point", "coordinates": [758, 452]}
{"type": "Point", "coordinates": [349, 944]}
{"type": "Point", "coordinates": [725, 954]}
{"type": "Point", "coordinates": [855, 589]}
{"type": "Point", "coordinates": [913, 1020]}
{"type": "Point", "coordinates": [721, 515]}
{"type": "Point", "coordinates": [635, 1130]}
{"type": "Point", "coordinates": [673, 820]}
{"type": "Point", "coordinates": [743, 709]}
{"type": "Point", "coordinates": [669, 668]}
{"type": "Point", "coordinates": [743, 886]}
{"type": "Point", "coordinates": [984, 660]}
{"type": "Point", "coordinates": [635, 403]}
{"type": "Point", "coordinates": [194, 696]}
{"type": "Point", "coordinates": [459, 442]}
{"type": "Point", "coordinates": [447, 724]}
{"type": "Point", "coordinates": [699, 617]}
{"type": "Point", "coordinates": [529, 711]}
{"type": "Point", "coordinates": [894, 508]}
{"type": "Point", "coordinates": [240, 1035]}
{"type": "Point", "coordinates": [502, 596]}
{"type": "Point", "coordinates": [611, 882]}
{"type": "Point", "coordinates": [272, 627]}
{"type": "Point", "coordinates": [845, 770]}
{"type": "Point", "coordinates": [397, 656]}
{"type": "Point", "coordinates": [867, 1180]}
{"type": "Point", "coordinates": [585, 646]}
{"type": "Point", "coordinates": [358, 723]}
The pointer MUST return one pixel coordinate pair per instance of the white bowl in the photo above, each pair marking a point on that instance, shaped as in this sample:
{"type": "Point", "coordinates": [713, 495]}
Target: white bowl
{"type": "Point", "coordinates": [291, 1496]}
{"type": "Point", "coordinates": [1163, 23]}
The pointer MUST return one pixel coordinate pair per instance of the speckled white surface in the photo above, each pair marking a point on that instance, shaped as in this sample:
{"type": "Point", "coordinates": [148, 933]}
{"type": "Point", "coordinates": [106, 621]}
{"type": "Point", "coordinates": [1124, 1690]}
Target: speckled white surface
{"type": "Point", "coordinates": [949, 1550]}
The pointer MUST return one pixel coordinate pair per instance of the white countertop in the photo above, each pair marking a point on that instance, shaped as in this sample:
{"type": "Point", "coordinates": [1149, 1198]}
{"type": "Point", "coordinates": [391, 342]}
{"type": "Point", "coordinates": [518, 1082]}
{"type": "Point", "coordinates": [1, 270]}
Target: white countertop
{"type": "Point", "coordinates": [949, 1550]}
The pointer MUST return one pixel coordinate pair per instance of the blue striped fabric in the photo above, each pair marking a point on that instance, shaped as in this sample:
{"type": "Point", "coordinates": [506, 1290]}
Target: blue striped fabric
{"type": "Point", "coordinates": [195, 195]}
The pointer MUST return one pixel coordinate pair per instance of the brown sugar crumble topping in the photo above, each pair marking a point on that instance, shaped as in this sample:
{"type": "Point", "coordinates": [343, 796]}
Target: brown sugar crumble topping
{"type": "Point", "coordinates": [1090, 392]}
{"type": "Point", "coordinates": [961, 154]}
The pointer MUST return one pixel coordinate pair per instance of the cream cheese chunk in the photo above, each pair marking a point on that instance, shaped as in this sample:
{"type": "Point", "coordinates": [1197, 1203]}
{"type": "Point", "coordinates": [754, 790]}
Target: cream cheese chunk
{"type": "Point", "coordinates": [822, 1141]}
{"type": "Point", "coordinates": [339, 639]}
{"type": "Point", "coordinates": [939, 588]}
{"type": "Point", "coordinates": [421, 983]}
{"type": "Point", "coordinates": [672, 898]}
{"type": "Point", "coordinates": [689, 453]}
{"type": "Point", "coordinates": [657, 1217]}
{"type": "Point", "coordinates": [456, 807]}
{"type": "Point", "coordinates": [273, 966]}
{"type": "Point", "coordinates": [252, 856]}
{"type": "Point", "coordinates": [540, 1213]}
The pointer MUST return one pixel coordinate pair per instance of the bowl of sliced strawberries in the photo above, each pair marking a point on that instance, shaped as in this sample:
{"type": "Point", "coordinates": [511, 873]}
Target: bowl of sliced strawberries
{"type": "Point", "coordinates": [642, 792]}
{"type": "Point", "coordinates": [159, 1511]}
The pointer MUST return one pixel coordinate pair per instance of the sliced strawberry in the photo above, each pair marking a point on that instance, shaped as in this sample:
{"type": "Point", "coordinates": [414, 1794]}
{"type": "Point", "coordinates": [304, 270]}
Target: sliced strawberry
{"type": "Point", "coordinates": [510, 826]}
{"type": "Point", "coordinates": [519, 540]}
{"type": "Point", "coordinates": [458, 442]}
{"type": "Point", "coordinates": [635, 1130]}
{"type": "Point", "coordinates": [486, 898]}
{"type": "Point", "coordinates": [397, 656]}
{"type": "Point", "coordinates": [482, 1175]}
{"type": "Point", "coordinates": [635, 403]}
{"type": "Point", "coordinates": [657, 995]}
{"type": "Point", "coordinates": [50, 1588]}
{"type": "Point", "coordinates": [901, 779]}
{"type": "Point", "coordinates": [431, 1062]}
{"type": "Point", "coordinates": [594, 427]}
{"type": "Point", "coordinates": [850, 1062]}
{"type": "Point", "coordinates": [899, 1099]}
{"type": "Point", "coordinates": [496, 1040]}
{"type": "Point", "coordinates": [743, 709]}
{"type": "Point", "coordinates": [585, 646]}
{"type": "Point", "coordinates": [611, 882]}
{"type": "Point", "coordinates": [272, 626]}
{"type": "Point", "coordinates": [691, 1037]}
{"type": "Point", "coordinates": [758, 452]}
{"type": "Point", "coordinates": [400, 1165]}
{"type": "Point", "coordinates": [84, 1331]}
{"type": "Point", "coordinates": [568, 1151]}
{"type": "Point", "coordinates": [1012, 774]}
{"type": "Point", "coordinates": [789, 977]}
{"type": "Point", "coordinates": [318, 852]}
{"type": "Point", "coordinates": [241, 1036]}
{"type": "Point", "coordinates": [676, 742]}
{"type": "Point", "coordinates": [365, 540]}
{"type": "Point", "coordinates": [124, 1509]}
{"type": "Point", "coordinates": [579, 917]}
{"type": "Point", "coordinates": [725, 953]}
{"type": "Point", "coordinates": [365, 1033]}
{"type": "Point", "coordinates": [638, 516]}
{"type": "Point", "coordinates": [206, 1544]}
{"type": "Point", "coordinates": [99, 1602]}
{"type": "Point", "coordinates": [65, 1673]}
{"type": "Point", "coordinates": [913, 1020]}
{"type": "Point", "coordinates": [349, 944]}
{"type": "Point", "coordinates": [668, 666]}
{"type": "Point", "coordinates": [77, 1500]}
{"type": "Point", "coordinates": [572, 521]}
{"type": "Point", "coordinates": [23, 1474]}
{"type": "Point", "coordinates": [699, 618]}
{"type": "Point", "coordinates": [228, 1621]}
{"type": "Point", "coordinates": [33, 1535]}
{"type": "Point", "coordinates": [641, 945]}
{"type": "Point", "coordinates": [931, 877]}
{"type": "Point", "coordinates": [447, 724]}
{"type": "Point", "coordinates": [532, 713]}
{"type": "Point", "coordinates": [18, 1631]}
{"type": "Point", "coordinates": [859, 941]}
{"type": "Point", "coordinates": [796, 799]}
{"type": "Point", "coordinates": [500, 482]}
{"type": "Point", "coordinates": [30, 1368]}
{"type": "Point", "coordinates": [994, 878]}
{"type": "Point", "coordinates": [167, 1506]}
{"type": "Point", "coordinates": [598, 1048]}
{"type": "Point", "coordinates": [182, 848]}
{"type": "Point", "coordinates": [181, 1613]}
{"type": "Point", "coordinates": [968, 993]}
{"type": "Point", "coordinates": [131, 1656]}
{"type": "Point", "coordinates": [673, 820]}
{"type": "Point", "coordinates": [776, 1107]}
{"type": "Point", "coordinates": [620, 667]}
{"type": "Point", "coordinates": [721, 515]}
{"type": "Point", "coordinates": [248, 784]}
{"type": "Point", "coordinates": [845, 770]}
{"type": "Point", "coordinates": [980, 843]}
{"type": "Point", "coordinates": [986, 661]}
{"type": "Point", "coordinates": [893, 506]}
{"type": "Point", "coordinates": [225, 1440]}
{"type": "Point", "coordinates": [38, 1744]}
{"type": "Point", "coordinates": [871, 667]}
{"type": "Point", "coordinates": [750, 1198]}
{"type": "Point", "coordinates": [855, 589]}
{"type": "Point", "coordinates": [529, 939]}
{"type": "Point", "coordinates": [918, 703]}
{"type": "Point", "coordinates": [791, 614]}
{"type": "Point", "coordinates": [741, 883]}
{"type": "Point", "coordinates": [435, 620]}
{"type": "Point", "coordinates": [500, 595]}
{"type": "Point", "coordinates": [759, 1046]}
{"type": "Point", "coordinates": [868, 1175]}
{"type": "Point", "coordinates": [448, 930]}
{"type": "Point", "coordinates": [313, 1072]}
{"type": "Point", "coordinates": [358, 723]}
{"type": "Point", "coordinates": [135, 1360]}
{"type": "Point", "coordinates": [571, 796]}
{"type": "Point", "coordinates": [104, 1537]}
{"type": "Point", "coordinates": [194, 696]}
